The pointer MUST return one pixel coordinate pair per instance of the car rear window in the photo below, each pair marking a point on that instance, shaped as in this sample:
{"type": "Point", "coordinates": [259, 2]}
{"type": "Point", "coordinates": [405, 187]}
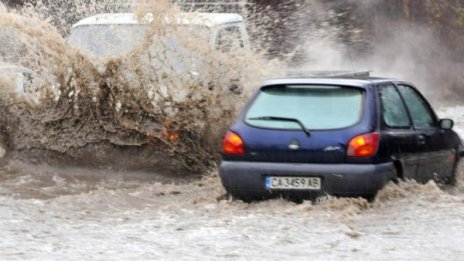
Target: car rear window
{"type": "Point", "coordinates": [316, 107]}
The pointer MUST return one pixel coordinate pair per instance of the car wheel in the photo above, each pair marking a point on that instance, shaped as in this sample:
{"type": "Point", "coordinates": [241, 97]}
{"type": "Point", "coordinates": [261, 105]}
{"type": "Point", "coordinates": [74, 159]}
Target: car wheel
{"type": "Point", "coordinates": [369, 197]}
{"type": "Point", "coordinates": [451, 180]}
{"type": "Point", "coordinates": [395, 178]}
{"type": "Point", "coordinates": [243, 196]}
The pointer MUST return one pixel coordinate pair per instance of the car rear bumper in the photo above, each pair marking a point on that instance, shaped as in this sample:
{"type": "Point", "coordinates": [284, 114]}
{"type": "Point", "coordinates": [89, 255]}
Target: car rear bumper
{"type": "Point", "coordinates": [248, 178]}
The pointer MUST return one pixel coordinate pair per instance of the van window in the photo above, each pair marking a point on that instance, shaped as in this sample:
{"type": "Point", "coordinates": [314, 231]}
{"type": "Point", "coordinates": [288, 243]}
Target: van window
{"type": "Point", "coordinates": [107, 40]}
{"type": "Point", "coordinates": [120, 39]}
{"type": "Point", "coordinates": [229, 38]}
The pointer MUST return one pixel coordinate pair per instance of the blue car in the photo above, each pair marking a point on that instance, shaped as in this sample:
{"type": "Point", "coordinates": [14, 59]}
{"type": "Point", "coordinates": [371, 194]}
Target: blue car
{"type": "Point", "coordinates": [347, 136]}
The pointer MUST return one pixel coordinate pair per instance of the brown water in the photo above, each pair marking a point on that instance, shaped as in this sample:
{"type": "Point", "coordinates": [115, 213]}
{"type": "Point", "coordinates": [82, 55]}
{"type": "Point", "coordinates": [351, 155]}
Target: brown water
{"type": "Point", "coordinates": [55, 213]}
{"type": "Point", "coordinates": [91, 173]}
{"type": "Point", "coordinates": [74, 213]}
{"type": "Point", "coordinates": [131, 105]}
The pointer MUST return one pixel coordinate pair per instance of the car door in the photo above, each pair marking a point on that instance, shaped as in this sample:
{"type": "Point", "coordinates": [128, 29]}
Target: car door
{"type": "Point", "coordinates": [398, 134]}
{"type": "Point", "coordinates": [436, 157]}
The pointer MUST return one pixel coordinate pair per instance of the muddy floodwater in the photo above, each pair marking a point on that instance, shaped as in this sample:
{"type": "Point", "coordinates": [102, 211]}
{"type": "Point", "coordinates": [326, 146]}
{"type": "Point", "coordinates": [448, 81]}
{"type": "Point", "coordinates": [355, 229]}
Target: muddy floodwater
{"type": "Point", "coordinates": [49, 213]}
{"type": "Point", "coordinates": [156, 108]}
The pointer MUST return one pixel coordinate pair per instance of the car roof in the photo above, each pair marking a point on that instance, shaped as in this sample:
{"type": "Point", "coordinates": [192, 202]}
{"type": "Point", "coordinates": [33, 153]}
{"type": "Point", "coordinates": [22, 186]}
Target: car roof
{"type": "Point", "coordinates": [354, 82]}
{"type": "Point", "coordinates": [353, 78]}
{"type": "Point", "coordinates": [206, 19]}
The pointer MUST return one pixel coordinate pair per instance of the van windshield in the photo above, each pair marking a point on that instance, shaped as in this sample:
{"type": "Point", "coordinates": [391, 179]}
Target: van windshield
{"type": "Point", "coordinates": [316, 107]}
{"type": "Point", "coordinates": [119, 39]}
{"type": "Point", "coordinates": [107, 40]}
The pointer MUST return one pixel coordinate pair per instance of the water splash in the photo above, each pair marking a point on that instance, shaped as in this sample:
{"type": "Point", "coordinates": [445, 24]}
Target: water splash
{"type": "Point", "coordinates": [104, 110]}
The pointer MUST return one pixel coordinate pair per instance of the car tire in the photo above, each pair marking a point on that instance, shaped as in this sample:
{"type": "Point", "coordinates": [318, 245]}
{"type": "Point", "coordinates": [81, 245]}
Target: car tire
{"type": "Point", "coordinates": [395, 177]}
{"type": "Point", "coordinates": [369, 197]}
{"type": "Point", "coordinates": [243, 196]}
{"type": "Point", "coordinates": [451, 180]}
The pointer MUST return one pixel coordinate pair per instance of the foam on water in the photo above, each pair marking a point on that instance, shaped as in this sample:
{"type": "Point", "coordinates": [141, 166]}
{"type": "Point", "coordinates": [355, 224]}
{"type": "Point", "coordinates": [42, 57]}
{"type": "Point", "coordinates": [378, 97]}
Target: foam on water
{"type": "Point", "coordinates": [74, 213]}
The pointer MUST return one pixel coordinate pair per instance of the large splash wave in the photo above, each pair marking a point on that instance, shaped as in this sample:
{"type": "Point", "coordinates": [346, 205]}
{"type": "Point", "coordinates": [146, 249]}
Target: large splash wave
{"type": "Point", "coordinates": [137, 109]}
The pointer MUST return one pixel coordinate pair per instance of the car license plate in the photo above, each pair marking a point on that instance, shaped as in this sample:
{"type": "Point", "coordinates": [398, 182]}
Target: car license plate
{"type": "Point", "coordinates": [295, 183]}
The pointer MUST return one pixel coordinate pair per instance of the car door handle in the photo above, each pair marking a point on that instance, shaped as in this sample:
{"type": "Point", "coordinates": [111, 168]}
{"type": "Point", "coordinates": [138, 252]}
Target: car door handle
{"type": "Point", "coordinates": [421, 139]}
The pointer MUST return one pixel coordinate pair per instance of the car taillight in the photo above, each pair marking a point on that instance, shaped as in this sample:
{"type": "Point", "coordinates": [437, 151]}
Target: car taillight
{"type": "Point", "coordinates": [233, 144]}
{"type": "Point", "coordinates": [364, 145]}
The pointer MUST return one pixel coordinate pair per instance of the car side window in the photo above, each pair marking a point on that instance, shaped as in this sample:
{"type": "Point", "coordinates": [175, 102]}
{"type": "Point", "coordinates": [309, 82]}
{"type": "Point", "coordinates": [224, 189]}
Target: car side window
{"type": "Point", "coordinates": [420, 111]}
{"type": "Point", "coordinates": [393, 111]}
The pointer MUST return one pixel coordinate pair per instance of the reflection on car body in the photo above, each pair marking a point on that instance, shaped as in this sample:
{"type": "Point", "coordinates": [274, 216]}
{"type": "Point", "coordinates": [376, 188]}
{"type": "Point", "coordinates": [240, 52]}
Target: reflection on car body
{"type": "Point", "coordinates": [364, 132]}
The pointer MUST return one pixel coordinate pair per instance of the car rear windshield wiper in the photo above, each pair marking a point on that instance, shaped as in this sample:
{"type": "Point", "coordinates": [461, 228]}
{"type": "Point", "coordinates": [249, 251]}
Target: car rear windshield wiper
{"type": "Point", "coordinates": [273, 118]}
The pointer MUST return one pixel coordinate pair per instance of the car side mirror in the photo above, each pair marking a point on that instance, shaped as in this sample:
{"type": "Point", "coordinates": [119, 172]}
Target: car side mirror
{"type": "Point", "coordinates": [446, 124]}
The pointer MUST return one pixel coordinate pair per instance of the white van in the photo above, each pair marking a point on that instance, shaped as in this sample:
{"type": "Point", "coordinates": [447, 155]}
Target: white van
{"type": "Point", "coordinates": [116, 34]}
